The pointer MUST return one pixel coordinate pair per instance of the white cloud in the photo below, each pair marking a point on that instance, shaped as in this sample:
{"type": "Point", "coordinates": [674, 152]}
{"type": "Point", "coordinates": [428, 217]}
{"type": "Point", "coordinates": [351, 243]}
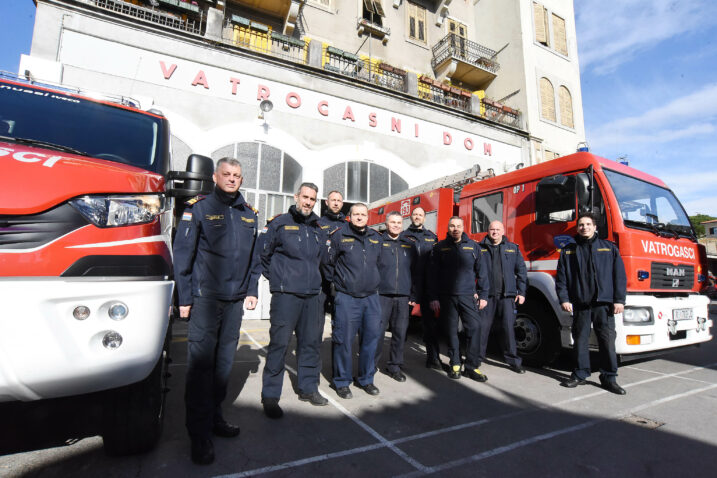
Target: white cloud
{"type": "Point", "coordinates": [681, 118]}
{"type": "Point", "coordinates": [611, 33]}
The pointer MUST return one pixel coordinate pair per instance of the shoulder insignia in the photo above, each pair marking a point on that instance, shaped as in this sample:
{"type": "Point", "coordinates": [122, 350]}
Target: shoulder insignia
{"type": "Point", "coordinates": [194, 200]}
{"type": "Point", "coordinates": [272, 217]}
{"type": "Point", "coordinates": [410, 238]}
{"type": "Point", "coordinates": [256, 211]}
{"type": "Point", "coordinates": [332, 232]}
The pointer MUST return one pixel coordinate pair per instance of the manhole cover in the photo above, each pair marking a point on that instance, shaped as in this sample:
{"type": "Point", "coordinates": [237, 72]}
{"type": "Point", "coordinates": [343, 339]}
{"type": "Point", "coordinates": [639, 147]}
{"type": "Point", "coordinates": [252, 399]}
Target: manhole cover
{"type": "Point", "coordinates": [642, 422]}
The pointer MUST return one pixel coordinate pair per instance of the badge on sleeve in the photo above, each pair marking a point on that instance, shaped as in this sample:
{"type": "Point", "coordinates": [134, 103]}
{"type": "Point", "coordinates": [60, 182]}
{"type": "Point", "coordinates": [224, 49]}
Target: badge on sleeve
{"type": "Point", "coordinates": [187, 216]}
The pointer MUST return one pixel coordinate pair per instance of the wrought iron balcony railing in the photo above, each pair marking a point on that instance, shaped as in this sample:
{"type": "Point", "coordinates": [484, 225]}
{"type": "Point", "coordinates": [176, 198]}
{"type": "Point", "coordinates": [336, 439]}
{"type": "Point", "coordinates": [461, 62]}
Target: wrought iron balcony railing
{"type": "Point", "coordinates": [189, 23]}
{"type": "Point", "coordinates": [245, 33]}
{"type": "Point", "coordinates": [348, 64]}
{"type": "Point", "coordinates": [454, 47]}
{"type": "Point", "coordinates": [436, 92]}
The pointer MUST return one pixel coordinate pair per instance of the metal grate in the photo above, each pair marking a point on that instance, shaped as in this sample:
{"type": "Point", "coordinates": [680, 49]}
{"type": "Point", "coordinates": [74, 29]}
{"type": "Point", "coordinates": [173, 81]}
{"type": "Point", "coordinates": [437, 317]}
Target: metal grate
{"type": "Point", "coordinates": [30, 231]}
{"type": "Point", "coordinates": [154, 15]}
{"type": "Point", "coordinates": [369, 71]}
{"type": "Point", "coordinates": [672, 276]}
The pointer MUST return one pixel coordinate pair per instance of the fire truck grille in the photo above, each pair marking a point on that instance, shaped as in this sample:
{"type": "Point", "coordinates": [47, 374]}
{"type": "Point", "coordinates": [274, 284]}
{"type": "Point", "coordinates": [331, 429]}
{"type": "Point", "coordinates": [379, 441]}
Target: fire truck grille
{"type": "Point", "coordinates": [35, 230]}
{"type": "Point", "coordinates": [672, 276]}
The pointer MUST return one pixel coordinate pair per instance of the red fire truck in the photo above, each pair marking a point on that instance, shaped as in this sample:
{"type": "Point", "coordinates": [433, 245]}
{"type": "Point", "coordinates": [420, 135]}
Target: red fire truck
{"type": "Point", "coordinates": [666, 267]}
{"type": "Point", "coordinates": [85, 255]}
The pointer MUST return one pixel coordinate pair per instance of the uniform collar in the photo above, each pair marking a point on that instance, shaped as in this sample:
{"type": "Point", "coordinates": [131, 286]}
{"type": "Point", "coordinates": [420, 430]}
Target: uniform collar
{"type": "Point", "coordinates": [298, 217]}
{"type": "Point", "coordinates": [228, 199]}
{"type": "Point", "coordinates": [335, 217]}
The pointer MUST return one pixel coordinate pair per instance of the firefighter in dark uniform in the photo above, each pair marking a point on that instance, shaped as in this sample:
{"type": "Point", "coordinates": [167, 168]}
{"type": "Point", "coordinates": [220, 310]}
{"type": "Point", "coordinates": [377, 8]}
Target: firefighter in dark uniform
{"type": "Point", "coordinates": [292, 249]}
{"type": "Point", "coordinates": [398, 255]}
{"type": "Point", "coordinates": [212, 256]}
{"type": "Point", "coordinates": [591, 284]}
{"type": "Point", "coordinates": [458, 287]}
{"type": "Point", "coordinates": [508, 281]}
{"type": "Point", "coordinates": [425, 240]}
{"type": "Point", "coordinates": [333, 218]}
{"type": "Point", "coordinates": [353, 264]}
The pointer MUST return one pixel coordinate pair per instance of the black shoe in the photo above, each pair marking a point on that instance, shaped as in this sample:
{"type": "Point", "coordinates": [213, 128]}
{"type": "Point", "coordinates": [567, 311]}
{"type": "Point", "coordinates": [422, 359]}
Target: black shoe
{"type": "Point", "coordinates": [313, 398]}
{"type": "Point", "coordinates": [434, 364]}
{"type": "Point", "coordinates": [612, 386]}
{"type": "Point", "coordinates": [369, 388]}
{"type": "Point", "coordinates": [344, 392]}
{"type": "Point", "coordinates": [572, 382]}
{"type": "Point", "coordinates": [517, 368]}
{"type": "Point", "coordinates": [225, 429]}
{"type": "Point", "coordinates": [475, 374]}
{"type": "Point", "coordinates": [202, 451]}
{"type": "Point", "coordinates": [397, 375]}
{"type": "Point", "coordinates": [454, 372]}
{"type": "Point", "coordinates": [272, 408]}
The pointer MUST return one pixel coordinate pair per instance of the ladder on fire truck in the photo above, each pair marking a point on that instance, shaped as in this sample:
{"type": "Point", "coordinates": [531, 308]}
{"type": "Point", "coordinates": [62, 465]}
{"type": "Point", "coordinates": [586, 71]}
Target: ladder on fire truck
{"type": "Point", "coordinates": [455, 181]}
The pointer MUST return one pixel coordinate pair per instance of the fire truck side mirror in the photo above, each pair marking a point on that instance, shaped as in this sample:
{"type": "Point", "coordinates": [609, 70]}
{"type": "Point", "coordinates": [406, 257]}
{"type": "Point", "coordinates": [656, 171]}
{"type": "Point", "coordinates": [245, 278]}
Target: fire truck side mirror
{"type": "Point", "coordinates": [197, 179]}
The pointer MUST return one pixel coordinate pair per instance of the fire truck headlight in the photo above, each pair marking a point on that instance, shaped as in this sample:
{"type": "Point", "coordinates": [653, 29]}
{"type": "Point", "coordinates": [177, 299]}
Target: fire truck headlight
{"type": "Point", "coordinates": [112, 340]}
{"type": "Point", "coordinates": [637, 316]}
{"type": "Point", "coordinates": [118, 311]}
{"type": "Point", "coordinates": [124, 210]}
{"type": "Point", "coordinates": [81, 312]}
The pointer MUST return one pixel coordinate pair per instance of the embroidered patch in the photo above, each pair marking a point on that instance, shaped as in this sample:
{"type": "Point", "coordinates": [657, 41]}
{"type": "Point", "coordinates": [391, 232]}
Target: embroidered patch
{"type": "Point", "coordinates": [347, 239]}
{"type": "Point", "coordinates": [429, 240]}
{"type": "Point", "coordinates": [468, 248]}
{"type": "Point", "coordinates": [445, 248]}
{"type": "Point", "coordinates": [406, 246]}
{"type": "Point", "coordinates": [263, 231]}
{"type": "Point", "coordinates": [510, 250]}
{"type": "Point", "coordinates": [373, 242]}
{"type": "Point", "coordinates": [569, 252]}
{"type": "Point", "coordinates": [214, 217]}
{"type": "Point", "coordinates": [247, 219]}
{"type": "Point", "coordinates": [325, 227]}
{"type": "Point", "coordinates": [187, 216]}
{"type": "Point", "coordinates": [604, 249]}
{"type": "Point", "coordinates": [385, 244]}
{"type": "Point", "coordinates": [291, 228]}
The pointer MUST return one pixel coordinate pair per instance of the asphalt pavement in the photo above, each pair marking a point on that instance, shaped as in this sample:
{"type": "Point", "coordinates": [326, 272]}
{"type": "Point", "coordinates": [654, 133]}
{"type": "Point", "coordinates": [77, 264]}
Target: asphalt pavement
{"type": "Point", "coordinates": [512, 425]}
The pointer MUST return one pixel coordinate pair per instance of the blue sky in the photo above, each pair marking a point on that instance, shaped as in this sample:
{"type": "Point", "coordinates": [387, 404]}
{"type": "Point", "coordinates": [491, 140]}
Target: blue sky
{"type": "Point", "coordinates": [649, 85]}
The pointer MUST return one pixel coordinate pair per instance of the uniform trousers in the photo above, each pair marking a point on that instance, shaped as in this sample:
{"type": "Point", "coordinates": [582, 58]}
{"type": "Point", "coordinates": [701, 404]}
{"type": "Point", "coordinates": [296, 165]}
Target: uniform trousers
{"type": "Point", "coordinates": [212, 337]}
{"type": "Point", "coordinates": [463, 306]}
{"type": "Point", "coordinates": [431, 333]}
{"type": "Point", "coordinates": [394, 312]}
{"type": "Point", "coordinates": [354, 315]}
{"type": "Point", "coordinates": [292, 314]}
{"type": "Point", "coordinates": [502, 309]}
{"type": "Point", "coordinates": [603, 321]}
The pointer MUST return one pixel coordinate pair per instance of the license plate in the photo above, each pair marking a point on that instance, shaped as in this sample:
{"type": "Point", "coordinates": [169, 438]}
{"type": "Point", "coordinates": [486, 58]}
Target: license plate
{"type": "Point", "coordinates": [682, 314]}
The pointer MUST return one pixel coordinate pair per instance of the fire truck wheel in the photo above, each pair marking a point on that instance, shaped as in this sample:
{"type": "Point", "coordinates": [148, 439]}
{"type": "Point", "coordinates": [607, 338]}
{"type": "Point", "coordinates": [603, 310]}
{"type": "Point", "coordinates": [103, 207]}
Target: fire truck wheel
{"type": "Point", "coordinates": [536, 334]}
{"type": "Point", "coordinates": [133, 415]}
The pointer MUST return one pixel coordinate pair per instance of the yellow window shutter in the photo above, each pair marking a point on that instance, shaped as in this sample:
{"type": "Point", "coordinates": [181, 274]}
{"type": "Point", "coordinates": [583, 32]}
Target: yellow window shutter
{"type": "Point", "coordinates": [541, 34]}
{"type": "Point", "coordinates": [559, 37]}
{"type": "Point", "coordinates": [566, 107]}
{"type": "Point", "coordinates": [547, 99]}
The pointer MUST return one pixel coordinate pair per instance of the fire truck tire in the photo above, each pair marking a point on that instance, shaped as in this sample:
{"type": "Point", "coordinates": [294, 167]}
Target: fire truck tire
{"type": "Point", "coordinates": [536, 334]}
{"type": "Point", "coordinates": [133, 415]}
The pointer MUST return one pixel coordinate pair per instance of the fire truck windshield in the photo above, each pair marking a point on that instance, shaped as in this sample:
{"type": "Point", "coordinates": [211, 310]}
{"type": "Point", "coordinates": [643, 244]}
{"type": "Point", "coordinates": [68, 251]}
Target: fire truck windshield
{"type": "Point", "coordinates": [53, 120]}
{"type": "Point", "coordinates": [647, 206]}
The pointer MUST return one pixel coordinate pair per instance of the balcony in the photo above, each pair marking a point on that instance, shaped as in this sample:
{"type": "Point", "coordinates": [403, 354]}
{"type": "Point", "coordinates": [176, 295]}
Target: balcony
{"type": "Point", "coordinates": [500, 113]}
{"type": "Point", "coordinates": [245, 33]}
{"type": "Point", "coordinates": [432, 90]}
{"type": "Point", "coordinates": [373, 71]}
{"type": "Point", "coordinates": [287, 11]}
{"type": "Point", "coordinates": [190, 21]}
{"type": "Point", "coordinates": [464, 61]}
{"type": "Point", "coordinates": [373, 29]}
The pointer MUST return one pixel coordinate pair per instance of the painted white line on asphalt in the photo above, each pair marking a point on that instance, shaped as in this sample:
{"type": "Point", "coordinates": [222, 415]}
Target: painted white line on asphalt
{"type": "Point", "coordinates": [422, 469]}
{"type": "Point", "coordinates": [676, 376]}
{"type": "Point", "coordinates": [382, 442]}
{"type": "Point", "coordinates": [546, 436]}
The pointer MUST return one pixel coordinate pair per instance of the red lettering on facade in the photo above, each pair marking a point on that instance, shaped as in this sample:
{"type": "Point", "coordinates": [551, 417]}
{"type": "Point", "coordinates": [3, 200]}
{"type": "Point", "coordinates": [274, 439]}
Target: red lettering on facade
{"type": "Point", "coordinates": [415, 130]}
{"type": "Point", "coordinates": [396, 125]}
{"type": "Point", "coordinates": [262, 93]}
{"type": "Point", "coordinates": [234, 82]}
{"type": "Point", "coordinates": [468, 143]}
{"type": "Point", "coordinates": [293, 100]}
{"type": "Point", "coordinates": [323, 108]}
{"type": "Point", "coordinates": [487, 151]}
{"type": "Point", "coordinates": [201, 79]}
{"type": "Point", "coordinates": [348, 113]}
{"type": "Point", "coordinates": [447, 138]}
{"type": "Point", "coordinates": [167, 72]}
{"type": "Point", "coordinates": [372, 119]}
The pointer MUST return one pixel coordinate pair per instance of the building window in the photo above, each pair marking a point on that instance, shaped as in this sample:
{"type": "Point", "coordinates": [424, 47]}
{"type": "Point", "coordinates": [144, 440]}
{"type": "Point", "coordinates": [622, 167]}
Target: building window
{"type": "Point", "coordinates": [486, 209]}
{"type": "Point", "coordinates": [566, 107]}
{"type": "Point", "coordinates": [373, 11]}
{"type": "Point", "coordinates": [547, 100]}
{"type": "Point", "coordinates": [271, 176]}
{"type": "Point", "coordinates": [554, 202]}
{"type": "Point", "coordinates": [540, 17]}
{"type": "Point", "coordinates": [559, 37]}
{"type": "Point", "coordinates": [361, 181]}
{"type": "Point", "coordinates": [416, 16]}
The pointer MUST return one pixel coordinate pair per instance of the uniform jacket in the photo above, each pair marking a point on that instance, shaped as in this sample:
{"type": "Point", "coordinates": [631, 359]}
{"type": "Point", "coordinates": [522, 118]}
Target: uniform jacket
{"type": "Point", "coordinates": [329, 222]}
{"type": "Point", "coordinates": [515, 276]}
{"type": "Point", "coordinates": [425, 240]}
{"type": "Point", "coordinates": [608, 268]}
{"type": "Point", "coordinates": [213, 248]}
{"type": "Point", "coordinates": [353, 260]}
{"type": "Point", "coordinates": [456, 268]}
{"type": "Point", "coordinates": [291, 251]}
{"type": "Point", "coordinates": [395, 266]}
